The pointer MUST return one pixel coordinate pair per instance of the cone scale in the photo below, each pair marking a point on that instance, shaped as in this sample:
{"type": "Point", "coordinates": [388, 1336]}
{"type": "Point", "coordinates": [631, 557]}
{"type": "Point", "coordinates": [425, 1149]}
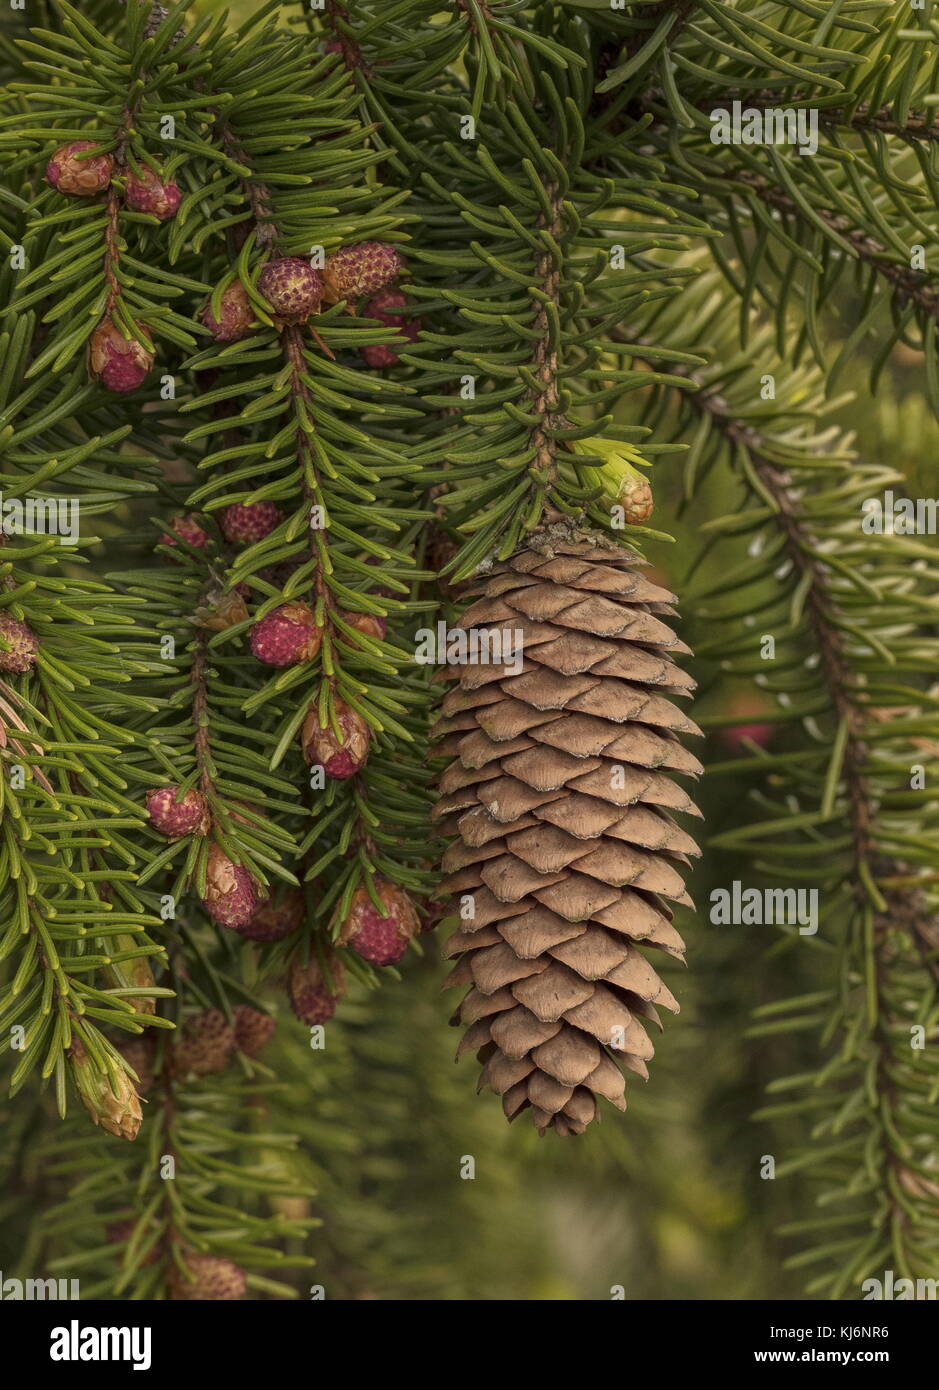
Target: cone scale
{"type": "Point", "coordinates": [560, 798]}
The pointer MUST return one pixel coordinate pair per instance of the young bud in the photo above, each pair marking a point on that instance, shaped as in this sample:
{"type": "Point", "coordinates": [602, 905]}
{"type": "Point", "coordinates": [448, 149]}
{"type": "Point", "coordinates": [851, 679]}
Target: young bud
{"type": "Point", "coordinates": [185, 528]}
{"type": "Point", "coordinates": [361, 269]}
{"type": "Point", "coordinates": [242, 523]}
{"type": "Point", "coordinates": [292, 288]}
{"type": "Point", "coordinates": [80, 177]}
{"type": "Point", "coordinates": [172, 817]}
{"type": "Point", "coordinates": [237, 317]}
{"type": "Point", "coordinates": [286, 636]}
{"type": "Point", "coordinates": [339, 757]}
{"type": "Point", "coordinates": [207, 1279]}
{"type": "Point", "coordinates": [253, 1030]}
{"type": "Point", "coordinates": [18, 644]}
{"type": "Point", "coordinates": [218, 610]}
{"type": "Point", "coordinates": [231, 896]}
{"type": "Point", "coordinates": [112, 1104]}
{"type": "Point", "coordinates": [635, 498]}
{"type": "Point", "coordinates": [276, 917]}
{"type": "Point", "coordinates": [368, 623]}
{"type": "Point", "coordinates": [313, 997]}
{"type": "Point", "coordinates": [383, 308]}
{"type": "Point", "coordinates": [380, 938]}
{"type": "Point", "coordinates": [119, 363]}
{"type": "Point", "coordinates": [622, 483]}
{"type": "Point", "coordinates": [146, 192]}
{"type": "Point", "coordinates": [205, 1045]}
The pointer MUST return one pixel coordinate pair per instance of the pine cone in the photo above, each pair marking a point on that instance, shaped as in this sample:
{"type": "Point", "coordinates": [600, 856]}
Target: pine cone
{"type": "Point", "coordinates": [120, 1233]}
{"type": "Point", "coordinates": [185, 528]}
{"type": "Point", "coordinates": [560, 796]}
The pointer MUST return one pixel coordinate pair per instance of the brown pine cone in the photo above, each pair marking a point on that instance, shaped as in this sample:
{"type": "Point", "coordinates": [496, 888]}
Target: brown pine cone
{"type": "Point", "coordinates": [560, 795]}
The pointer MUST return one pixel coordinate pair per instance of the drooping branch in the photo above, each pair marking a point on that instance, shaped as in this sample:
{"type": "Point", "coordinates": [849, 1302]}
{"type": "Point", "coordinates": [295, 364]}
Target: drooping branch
{"type": "Point", "coordinates": [911, 286]}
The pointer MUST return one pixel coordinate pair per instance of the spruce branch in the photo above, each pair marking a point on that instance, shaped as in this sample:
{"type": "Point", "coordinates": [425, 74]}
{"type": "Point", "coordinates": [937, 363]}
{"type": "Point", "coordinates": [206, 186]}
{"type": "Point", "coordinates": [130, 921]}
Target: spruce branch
{"type": "Point", "coordinates": [859, 117]}
{"type": "Point", "coordinates": [910, 286]}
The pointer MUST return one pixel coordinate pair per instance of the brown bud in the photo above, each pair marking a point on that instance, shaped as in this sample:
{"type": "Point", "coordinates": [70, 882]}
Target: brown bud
{"type": "Point", "coordinates": [380, 937]}
{"type": "Point", "coordinates": [207, 1279]}
{"type": "Point", "coordinates": [78, 174]}
{"type": "Point", "coordinates": [364, 268]}
{"type": "Point", "coordinates": [236, 317]}
{"type": "Point", "coordinates": [219, 610]}
{"type": "Point", "coordinates": [314, 991]}
{"type": "Point", "coordinates": [119, 363]}
{"type": "Point", "coordinates": [286, 636]}
{"type": "Point", "coordinates": [205, 1045]}
{"type": "Point", "coordinates": [292, 288]}
{"type": "Point", "coordinates": [18, 644]}
{"type": "Point", "coordinates": [175, 816]}
{"type": "Point", "coordinates": [146, 192]}
{"type": "Point", "coordinates": [370, 624]}
{"type": "Point", "coordinates": [134, 972]}
{"type": "Point", "coordinates": [253, 1030]}
{"type": "Point", "coordinates": [231, 896]}
{"type": "Point", "coordinates": [339, 757]}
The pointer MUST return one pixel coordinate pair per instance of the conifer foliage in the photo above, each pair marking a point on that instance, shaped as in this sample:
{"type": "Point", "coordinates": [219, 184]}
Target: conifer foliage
{"type": "Point", "coordinates": [358, 322]}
